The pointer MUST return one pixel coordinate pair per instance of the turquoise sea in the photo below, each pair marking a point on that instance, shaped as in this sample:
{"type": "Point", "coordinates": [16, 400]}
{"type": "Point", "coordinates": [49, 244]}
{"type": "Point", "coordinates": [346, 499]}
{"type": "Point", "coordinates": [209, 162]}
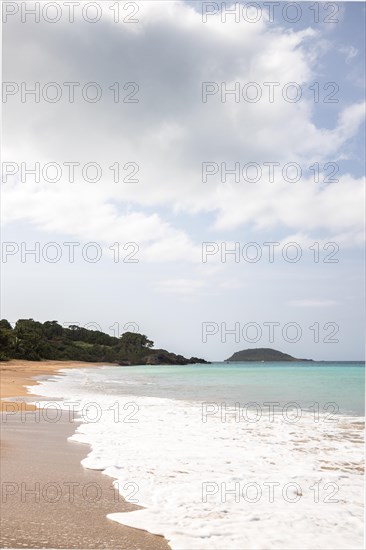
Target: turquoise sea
{"type": "Point", "coordinates": [306, 384]}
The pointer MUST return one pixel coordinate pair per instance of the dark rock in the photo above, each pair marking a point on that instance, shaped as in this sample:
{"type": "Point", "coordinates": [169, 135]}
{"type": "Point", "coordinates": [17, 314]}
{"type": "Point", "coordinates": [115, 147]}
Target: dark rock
{"type": "Point", "coordinates": [163, 357]}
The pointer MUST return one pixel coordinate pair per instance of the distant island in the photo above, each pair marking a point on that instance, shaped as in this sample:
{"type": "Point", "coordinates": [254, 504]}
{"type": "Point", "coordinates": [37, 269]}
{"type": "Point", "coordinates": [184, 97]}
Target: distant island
{"type": "Point", "coordinates": [35, 341]}
{"type": "Point", "coordinates": [262, 354]}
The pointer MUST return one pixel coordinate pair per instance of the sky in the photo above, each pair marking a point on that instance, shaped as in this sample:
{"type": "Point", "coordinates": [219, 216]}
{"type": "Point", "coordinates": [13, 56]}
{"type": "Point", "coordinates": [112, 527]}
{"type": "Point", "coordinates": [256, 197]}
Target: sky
{"type": "Point", "coordinates": [199, 176]}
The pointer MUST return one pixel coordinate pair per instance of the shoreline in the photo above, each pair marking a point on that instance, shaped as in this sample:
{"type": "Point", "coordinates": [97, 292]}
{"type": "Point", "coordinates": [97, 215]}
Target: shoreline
{"type": "Point", "coordinates": [49, 500]}
{"type": "Point", "coordinates": [16, 374]}
{"type": "Point", "coordinates": [331, 454]}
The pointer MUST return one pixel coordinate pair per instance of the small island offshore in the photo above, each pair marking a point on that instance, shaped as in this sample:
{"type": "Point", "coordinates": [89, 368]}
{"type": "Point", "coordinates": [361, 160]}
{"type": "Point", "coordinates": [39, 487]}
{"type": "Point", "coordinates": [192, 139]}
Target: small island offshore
{"type": "Point", "coordinates": [263, 355]}
{"type": "Point", "coordinates": [34, 341]}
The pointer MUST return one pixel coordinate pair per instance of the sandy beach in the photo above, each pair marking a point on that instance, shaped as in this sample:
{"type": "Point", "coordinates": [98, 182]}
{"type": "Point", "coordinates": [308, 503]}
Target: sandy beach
{"type": "Point", "coordinates": [48, 499]}
{"type": "Point", "coordinates": [16, 374]}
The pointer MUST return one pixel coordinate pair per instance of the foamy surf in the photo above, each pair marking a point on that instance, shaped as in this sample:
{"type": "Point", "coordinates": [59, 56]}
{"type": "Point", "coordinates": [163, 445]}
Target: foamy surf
{"type": "Point", "coordinates": [270, 484]}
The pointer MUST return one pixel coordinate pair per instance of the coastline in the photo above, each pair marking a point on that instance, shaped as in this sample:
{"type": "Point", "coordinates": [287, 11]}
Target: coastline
{"type": "Point", "coordinates": [134, 450]}
{"type": "Point", "coordinates": [49, 500]}
{"type": "Point", "coordinates": [162, 442]}
{"type": "Point", "coordinates": [16, 374]}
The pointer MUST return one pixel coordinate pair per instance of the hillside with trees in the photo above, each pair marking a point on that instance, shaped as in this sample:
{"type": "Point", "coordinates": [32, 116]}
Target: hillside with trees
{"type": "Point", "coordinates": [262, 355]}
{"type": "Point", "coordinates": [35, 341]}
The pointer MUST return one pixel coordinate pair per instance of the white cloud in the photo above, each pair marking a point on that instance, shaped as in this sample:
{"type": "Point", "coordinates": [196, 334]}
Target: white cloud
{"type": "Point", "coordinates": [350, 52]}
{"type": "Point", "coordinates": [336, 208]}
{"type": "Point", "coordinates": [171, 132]}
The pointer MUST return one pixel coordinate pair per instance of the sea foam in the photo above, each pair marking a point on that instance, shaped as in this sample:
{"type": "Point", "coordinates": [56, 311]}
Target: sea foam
{"type": "Point", "coordinates": [270, 484]}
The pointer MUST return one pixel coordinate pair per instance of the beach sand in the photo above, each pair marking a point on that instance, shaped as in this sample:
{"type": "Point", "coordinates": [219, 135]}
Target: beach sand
{"type": "Point", "coordinates": [16, 374]}
{"type": "Point", "coordinates": [48, 499]}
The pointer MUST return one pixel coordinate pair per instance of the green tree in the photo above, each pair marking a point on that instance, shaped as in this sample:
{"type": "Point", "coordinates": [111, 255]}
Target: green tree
{"type": "Point", "coordinates": [133, 342]}
{"type": "Point", "coordinates": [51, 329]}
{"type": "Point", "coordinates": [29, 339]}
{"type": "Point", "coordinates": [7, 340]}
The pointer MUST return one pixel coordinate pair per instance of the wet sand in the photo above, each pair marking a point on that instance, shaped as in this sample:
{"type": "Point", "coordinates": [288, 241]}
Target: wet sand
{"type": "Point", "coordinates": [16, 374]}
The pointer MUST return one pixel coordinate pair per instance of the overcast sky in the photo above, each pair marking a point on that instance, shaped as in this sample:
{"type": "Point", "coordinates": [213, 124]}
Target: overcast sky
{"type": "Point", "coordinates": [164, 123]}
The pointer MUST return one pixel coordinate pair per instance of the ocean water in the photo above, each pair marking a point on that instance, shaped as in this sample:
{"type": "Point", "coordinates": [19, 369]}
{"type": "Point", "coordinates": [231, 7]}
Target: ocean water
{"type": "Point", "coordinates": [227, 456]}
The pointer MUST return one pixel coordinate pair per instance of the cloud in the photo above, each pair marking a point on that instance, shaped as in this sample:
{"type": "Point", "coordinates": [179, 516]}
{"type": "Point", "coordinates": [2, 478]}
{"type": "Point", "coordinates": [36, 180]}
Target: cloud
{"type": "Point", "coordinates": [336, 208]}
{"type": "Point", "coordinates": [170, 132]}
{"type": "Point", "coordinates": [350, 52]}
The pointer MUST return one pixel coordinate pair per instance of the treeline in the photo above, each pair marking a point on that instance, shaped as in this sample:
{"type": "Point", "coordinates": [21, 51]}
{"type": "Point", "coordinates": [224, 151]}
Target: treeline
{"type": "Point", "coordinates": [35, 341]}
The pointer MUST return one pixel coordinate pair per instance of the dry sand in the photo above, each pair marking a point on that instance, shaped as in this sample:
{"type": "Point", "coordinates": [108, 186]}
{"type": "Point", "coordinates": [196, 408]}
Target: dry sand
{"type": "Point", "coordinates": [48, 499]}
